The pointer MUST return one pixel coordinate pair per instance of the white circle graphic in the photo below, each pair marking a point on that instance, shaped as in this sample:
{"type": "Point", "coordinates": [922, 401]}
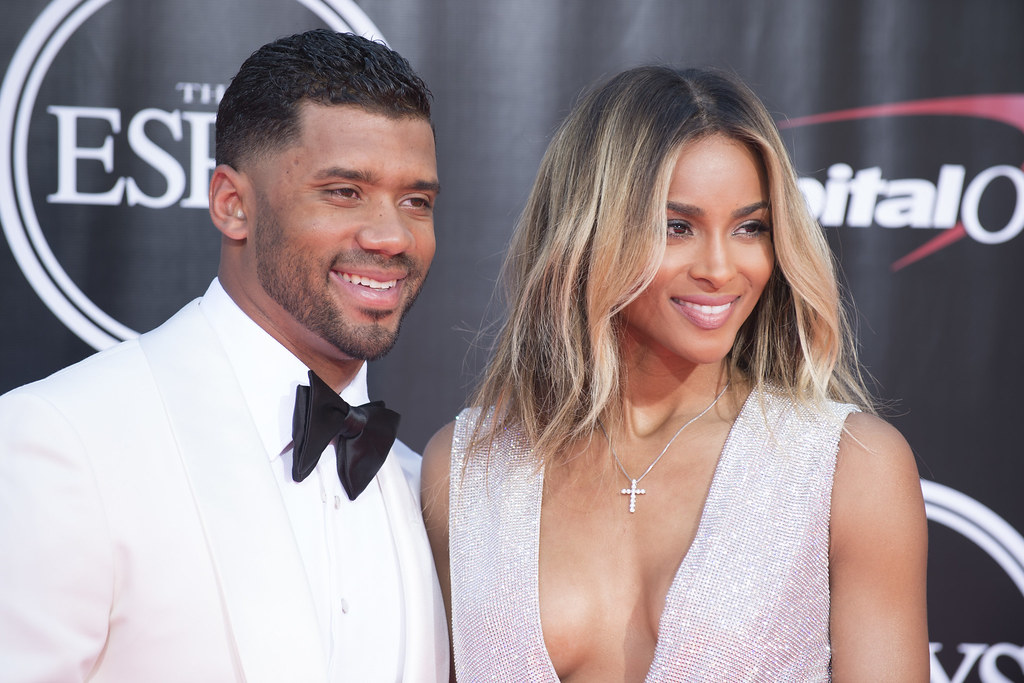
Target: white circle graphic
{"type": "Point", "coordinates": [25, 74]}
{"type": "Point", "coordinates": [979, 524]}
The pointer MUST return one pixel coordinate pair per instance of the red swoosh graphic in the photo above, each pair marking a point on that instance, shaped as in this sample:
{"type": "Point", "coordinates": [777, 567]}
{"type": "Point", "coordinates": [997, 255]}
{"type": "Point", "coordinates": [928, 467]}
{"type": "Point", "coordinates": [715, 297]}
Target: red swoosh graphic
{"type": "Point", "coordinates": [1005, 108]}
{"type": "Point", "coordinates": [943, 239]}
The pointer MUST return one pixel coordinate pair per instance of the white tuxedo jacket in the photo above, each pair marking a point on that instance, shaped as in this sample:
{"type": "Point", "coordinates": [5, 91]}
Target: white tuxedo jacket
{"type": "Point", "coordinates": [141, 541]}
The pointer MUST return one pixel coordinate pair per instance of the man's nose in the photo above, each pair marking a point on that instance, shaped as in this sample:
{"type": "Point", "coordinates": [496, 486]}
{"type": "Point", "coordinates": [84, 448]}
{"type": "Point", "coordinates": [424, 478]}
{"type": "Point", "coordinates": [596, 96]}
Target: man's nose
{"type": "Point", "coordinates": [384, 231]}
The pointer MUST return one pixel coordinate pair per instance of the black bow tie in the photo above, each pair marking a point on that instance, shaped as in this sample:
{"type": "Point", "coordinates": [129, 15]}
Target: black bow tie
{"type": "Point", "coordinates": [365, 434]}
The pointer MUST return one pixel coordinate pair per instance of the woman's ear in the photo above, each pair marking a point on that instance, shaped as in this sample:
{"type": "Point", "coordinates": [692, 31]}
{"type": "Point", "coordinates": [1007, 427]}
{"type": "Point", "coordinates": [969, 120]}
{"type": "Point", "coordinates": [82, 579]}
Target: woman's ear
{"type": "Point", "coordinates": [229, 191]}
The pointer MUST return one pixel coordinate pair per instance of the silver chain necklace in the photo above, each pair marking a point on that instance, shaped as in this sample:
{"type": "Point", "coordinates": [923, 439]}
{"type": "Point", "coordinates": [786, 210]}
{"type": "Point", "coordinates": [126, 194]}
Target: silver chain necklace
{"type": "Point", "coordinates": [633, 491]}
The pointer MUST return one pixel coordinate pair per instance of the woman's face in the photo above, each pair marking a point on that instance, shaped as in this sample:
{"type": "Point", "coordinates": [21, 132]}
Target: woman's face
{"type": "Point", "coordinates": [718, 255]}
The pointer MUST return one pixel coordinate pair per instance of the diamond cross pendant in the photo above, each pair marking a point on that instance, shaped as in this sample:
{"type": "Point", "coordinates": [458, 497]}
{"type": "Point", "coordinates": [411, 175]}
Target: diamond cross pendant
{"type": "Point", "coordinates": [632, 492]}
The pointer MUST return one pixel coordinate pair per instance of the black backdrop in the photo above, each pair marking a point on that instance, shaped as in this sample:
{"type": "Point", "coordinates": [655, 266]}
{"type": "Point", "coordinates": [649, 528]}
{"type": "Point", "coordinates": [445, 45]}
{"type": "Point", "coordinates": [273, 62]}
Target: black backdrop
{"type": "Point", "coordinates": [105, 118]}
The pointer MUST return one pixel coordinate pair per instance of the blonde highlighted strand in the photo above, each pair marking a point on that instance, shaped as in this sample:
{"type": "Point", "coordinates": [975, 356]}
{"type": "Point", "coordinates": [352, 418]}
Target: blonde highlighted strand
{"type": "Point", "coordinates": [591, 239]}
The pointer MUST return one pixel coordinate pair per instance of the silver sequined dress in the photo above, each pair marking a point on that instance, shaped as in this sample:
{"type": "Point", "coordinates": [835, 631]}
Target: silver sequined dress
{"type": "Point", "coordinates": [750, 601]}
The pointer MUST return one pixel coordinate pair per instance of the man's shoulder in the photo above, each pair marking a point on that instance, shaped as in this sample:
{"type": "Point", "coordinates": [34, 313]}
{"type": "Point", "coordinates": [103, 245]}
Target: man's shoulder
{"type": "Point", "coordinates": [97, 370]}
{"type": "Point", "coordinates": [111, 370]}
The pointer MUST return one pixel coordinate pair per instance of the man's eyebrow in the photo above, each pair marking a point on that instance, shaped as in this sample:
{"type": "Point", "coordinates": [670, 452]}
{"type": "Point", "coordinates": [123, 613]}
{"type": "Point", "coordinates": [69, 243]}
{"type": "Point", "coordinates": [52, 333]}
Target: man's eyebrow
{"type": "Point", "coordinates": [344, 173]}
{"type": "Point", "coordinates": [691, 210]}
{"type": "Point", "coordinates": [338, 173]}
{"type": "Point", "coordinates": [427, 186]}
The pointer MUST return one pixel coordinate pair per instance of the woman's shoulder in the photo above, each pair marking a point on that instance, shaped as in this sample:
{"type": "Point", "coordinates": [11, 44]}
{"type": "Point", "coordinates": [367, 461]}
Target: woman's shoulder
{"type": "Point", "coordinates": [870, 446]}
{"type": "Point", "coordinates": [437, 456]}
{"type": "Point", "coordinates": [877, 485]}
{"type": "Point", "coordinates": [800, 416]}
{"type": "Point", "coordinates": [875, 465]}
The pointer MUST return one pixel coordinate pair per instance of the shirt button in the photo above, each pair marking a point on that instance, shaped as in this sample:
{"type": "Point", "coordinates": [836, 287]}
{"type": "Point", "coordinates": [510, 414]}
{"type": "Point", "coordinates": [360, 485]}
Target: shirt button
{"type": "Point", "coordinates": [344, 606]}
{"type": "Point", "coordinates": [337, 502]}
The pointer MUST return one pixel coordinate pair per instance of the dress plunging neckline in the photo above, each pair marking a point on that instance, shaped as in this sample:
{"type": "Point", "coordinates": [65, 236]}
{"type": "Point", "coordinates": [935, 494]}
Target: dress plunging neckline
{"type": "Point", "coordinates": [750, 599]}
{"type": "Point", "coordinates": [682, 573]}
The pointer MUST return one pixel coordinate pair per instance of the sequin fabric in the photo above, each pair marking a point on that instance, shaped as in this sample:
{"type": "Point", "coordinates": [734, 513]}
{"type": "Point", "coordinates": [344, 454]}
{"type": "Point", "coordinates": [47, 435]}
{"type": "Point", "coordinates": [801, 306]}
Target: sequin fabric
{"type": "Point", "coordinates": [750, 601]}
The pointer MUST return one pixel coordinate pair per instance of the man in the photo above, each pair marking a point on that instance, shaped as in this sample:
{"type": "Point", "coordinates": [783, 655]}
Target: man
{"type": "Point", "coordinates": [157, 522]}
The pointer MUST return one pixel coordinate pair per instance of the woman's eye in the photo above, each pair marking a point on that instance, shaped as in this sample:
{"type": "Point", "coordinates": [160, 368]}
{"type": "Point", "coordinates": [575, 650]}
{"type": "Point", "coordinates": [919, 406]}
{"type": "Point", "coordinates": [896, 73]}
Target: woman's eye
{"type": "Point", "coordinates": [753, 228]}
{"type": "Point", "coordinates": [678, 228]}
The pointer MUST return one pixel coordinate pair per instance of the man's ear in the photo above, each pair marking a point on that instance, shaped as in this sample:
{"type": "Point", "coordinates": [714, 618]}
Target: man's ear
{"type": "Point", "coordinates": [229, 195]}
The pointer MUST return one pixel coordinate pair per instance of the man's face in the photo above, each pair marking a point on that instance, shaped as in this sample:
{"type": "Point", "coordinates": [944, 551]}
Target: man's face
{"type": "Point", "coordinates": [344, 230]}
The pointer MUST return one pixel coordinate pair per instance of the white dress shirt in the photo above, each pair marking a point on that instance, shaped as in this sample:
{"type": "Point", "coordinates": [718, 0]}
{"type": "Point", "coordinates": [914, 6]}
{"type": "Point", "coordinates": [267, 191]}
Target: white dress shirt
{"type": "Point", "coordinates": [346, 546]}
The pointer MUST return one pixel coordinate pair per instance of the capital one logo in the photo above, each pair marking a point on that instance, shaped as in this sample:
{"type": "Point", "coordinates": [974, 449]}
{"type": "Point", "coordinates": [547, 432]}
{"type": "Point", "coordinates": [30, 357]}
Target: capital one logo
{"type": "Point", "coordinates": [92, 140]}
{"type": "Point", "coordinates": [859, 198]}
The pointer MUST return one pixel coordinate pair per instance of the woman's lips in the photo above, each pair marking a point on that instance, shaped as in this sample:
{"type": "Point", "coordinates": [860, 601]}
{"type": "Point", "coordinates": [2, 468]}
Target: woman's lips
{"type": "Point", "coordinates": [707, 316]}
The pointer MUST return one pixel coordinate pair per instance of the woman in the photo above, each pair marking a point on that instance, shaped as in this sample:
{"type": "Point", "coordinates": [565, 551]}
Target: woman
{"type": "Point", "coordinates": [671, 471]}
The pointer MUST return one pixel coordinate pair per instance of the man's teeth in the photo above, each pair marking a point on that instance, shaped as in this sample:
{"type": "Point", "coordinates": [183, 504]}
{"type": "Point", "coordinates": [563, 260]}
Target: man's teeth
{"type": "Point", "coordinates": [368, 282]}
{"type": "Point", "coordinates": [707, 310]}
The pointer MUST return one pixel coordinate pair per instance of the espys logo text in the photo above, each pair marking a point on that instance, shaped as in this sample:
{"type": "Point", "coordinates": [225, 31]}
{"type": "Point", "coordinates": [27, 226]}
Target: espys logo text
{"type": "Point", "coordinates": [113, 136]}
{"type": "Point", "coordinates": [864, 197]}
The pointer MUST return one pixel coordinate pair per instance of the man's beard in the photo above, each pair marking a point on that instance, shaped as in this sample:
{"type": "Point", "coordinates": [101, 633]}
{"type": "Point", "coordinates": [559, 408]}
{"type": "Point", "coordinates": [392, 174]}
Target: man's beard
{"type": "Point", "coordinates": [303, 289]}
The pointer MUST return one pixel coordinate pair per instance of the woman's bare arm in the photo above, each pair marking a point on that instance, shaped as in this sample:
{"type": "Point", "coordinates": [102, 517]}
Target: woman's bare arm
{"type": "Point", "coordinates": [878, 558]}
{"type": "Point", "coordinates": [434, 497]}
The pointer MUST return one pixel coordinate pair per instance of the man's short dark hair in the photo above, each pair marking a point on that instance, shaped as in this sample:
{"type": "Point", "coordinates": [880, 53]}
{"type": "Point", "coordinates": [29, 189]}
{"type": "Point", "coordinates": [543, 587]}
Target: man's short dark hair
{"type": "Point", "coordinates": [259, 110]}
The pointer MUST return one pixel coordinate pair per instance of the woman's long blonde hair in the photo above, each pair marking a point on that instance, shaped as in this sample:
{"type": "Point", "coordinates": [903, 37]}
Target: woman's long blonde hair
{"type": "Point", "coordinates": [592, 237]}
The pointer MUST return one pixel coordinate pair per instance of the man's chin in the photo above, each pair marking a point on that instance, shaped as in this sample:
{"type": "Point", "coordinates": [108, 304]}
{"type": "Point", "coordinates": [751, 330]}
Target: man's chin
{"type": "Point", "coordinates": [368, 343]}
{"type": "Point", "coordinates": [373, 336]}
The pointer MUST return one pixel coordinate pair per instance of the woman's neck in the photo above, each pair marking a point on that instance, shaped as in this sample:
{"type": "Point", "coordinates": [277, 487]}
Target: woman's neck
{"type": "Point", "coordinates": [656, 392]}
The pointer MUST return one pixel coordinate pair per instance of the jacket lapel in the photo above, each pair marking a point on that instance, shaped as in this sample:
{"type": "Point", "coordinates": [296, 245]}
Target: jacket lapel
{"type": "Point", "coordinates": [426, 629]}
{"type": "Point", "coordinates": [263, 586]}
